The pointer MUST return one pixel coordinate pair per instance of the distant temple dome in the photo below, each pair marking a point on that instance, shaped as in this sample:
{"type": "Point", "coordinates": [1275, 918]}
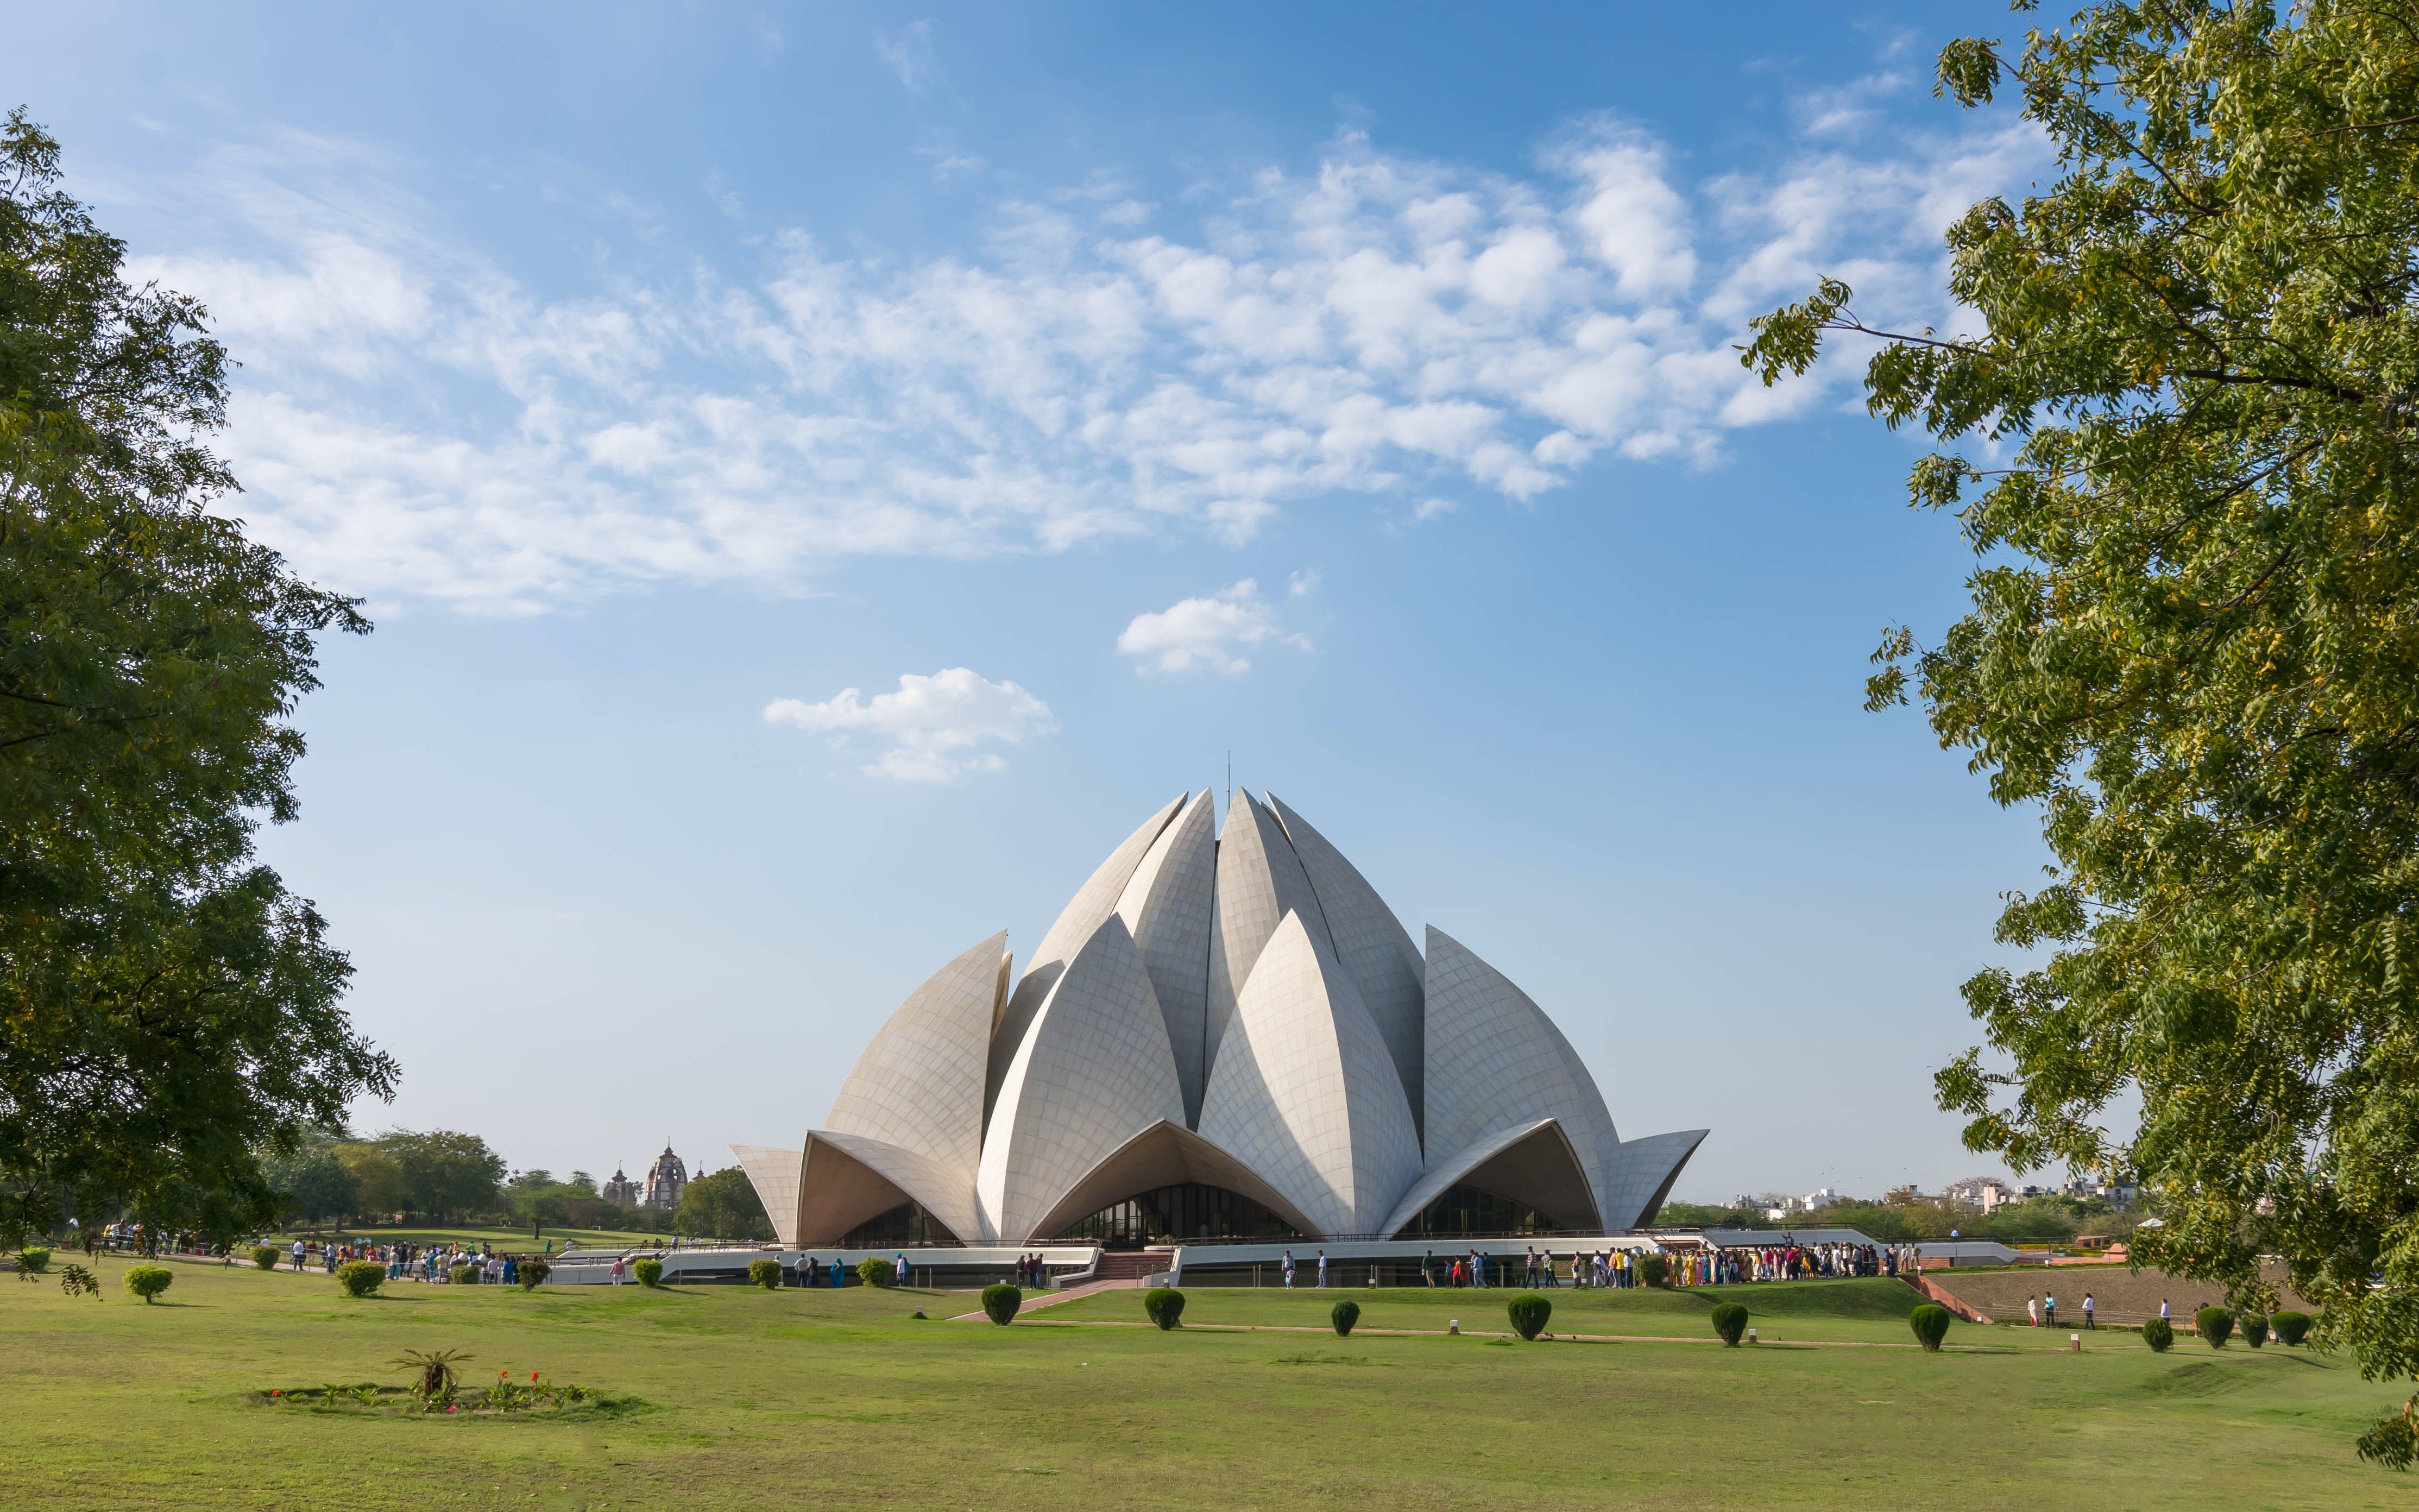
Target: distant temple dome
{"type": "Point", "coordinates": [1219, 1036]}
{"type": "Point", "coordinates": [665, 1179]}
{"type": "Point", "coordinates": [621, 1191]}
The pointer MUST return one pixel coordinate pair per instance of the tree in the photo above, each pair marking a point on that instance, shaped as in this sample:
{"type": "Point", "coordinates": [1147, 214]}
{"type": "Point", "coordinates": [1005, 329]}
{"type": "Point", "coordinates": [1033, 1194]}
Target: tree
{"type": "Point", "coordinates": [377, 1181]}
{"type": "Point", "coordinates": [722, 1205]}
{"type": "Point", "coordinates": [167, 1009]}
{"type": "Point", "coordinates": [2192, 636]}
{"type": "Point", "coordinates": [446, 1174]}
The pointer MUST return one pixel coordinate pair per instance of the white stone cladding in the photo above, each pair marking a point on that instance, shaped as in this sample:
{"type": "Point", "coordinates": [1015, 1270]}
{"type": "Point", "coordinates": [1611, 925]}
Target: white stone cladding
{"type": "Point", "coordinates": [901, 1174]}
{"type": "Point", "coordinates": [1373, 946]}
{"type": "Point", "coordinates": [918, 1086]}
{"type": "Point", "coordinates": [1305, 1092]}
{"type": "Point", "coordinates": [773, 1173]}
{"type": "Point", "coordinates": [1261, 880]}
{"type": "Point", "coordinates": [1494, 1059]}
{"type": "Point", "coordinates": [1094, 1070]}
{"type": "Point", "coordinates": [1166, 906]}
{"type": "Point", "coordinates": [1643, 1173]}
{"type": "Point", "coordinates": [1094, 900]}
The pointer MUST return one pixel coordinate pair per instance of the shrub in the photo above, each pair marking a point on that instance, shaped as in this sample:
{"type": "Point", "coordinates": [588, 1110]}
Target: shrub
{"type": "Point", "coordinates": [874, 1271]}
{"type": "Point", "coordinates": [533, 1275]}
{"type": "Point", "coordinates": [264, 1256]}
{"type": "Point", "coordinates": [2159, 1335]}
{"type": "Point", "coordinates": [1730, 1321]}
{"type": "Point", "coordinates": [2289, 1327]}
{"type": "Point", "coordinates": [1529, 1313]}
{"type": "Point", "coordinates": [1931, 1324]}
{"type": "Point", "coordinates": [1000, 1301]}
{"type": "Point", "coordinates": [361, 1277]}
{"type": "Point", "coordinates": [2254, 1329]}
{"type": "Point", "coordinates": [1165, 1307]}
{"type": "Point", "coordinates": [1342, 1317]}
{"type": "Point", "coordinates": [32, 1261]}
{"type": "Point", "coordinates": [2214, 1324]}
{"type": "Point", "coordinates": [1654, 1270]}
{"type": "Point", "coordinates": [468, 1276]}
{"type": "Point", "coordinates": [434, 1369]}
{"type": "Point", "coordinates": [765, 1274]}
{"type": "Point", "coordinates": [148, 1281]}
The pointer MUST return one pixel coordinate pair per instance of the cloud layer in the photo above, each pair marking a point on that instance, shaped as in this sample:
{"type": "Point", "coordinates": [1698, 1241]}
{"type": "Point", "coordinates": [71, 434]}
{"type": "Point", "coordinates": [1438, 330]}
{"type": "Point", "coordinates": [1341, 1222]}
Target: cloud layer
{"type": "Point", "coordinates": [413, 421]}
{"type": "Point", "coordinates": [935, 727]}
{"type": "Point", "coordinates": [1208, 632]}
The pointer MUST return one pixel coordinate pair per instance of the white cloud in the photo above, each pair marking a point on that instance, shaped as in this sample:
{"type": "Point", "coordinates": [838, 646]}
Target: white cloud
{"type": "Point", "coordinates": [909, 55]}
{"type": "Point", "coordinates": [932, 725]}
{"type": "Point", "coordinates": [1302, 584]}
{"type": "Point", "coordinates": [411, 421]}
{"type": "Point", "coordinates": [1206, 632]}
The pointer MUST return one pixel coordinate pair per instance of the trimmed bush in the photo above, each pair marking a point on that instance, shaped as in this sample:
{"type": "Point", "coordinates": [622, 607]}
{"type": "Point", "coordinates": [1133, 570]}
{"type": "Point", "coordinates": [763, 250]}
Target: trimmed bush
{"type": "Point", "coordinates": [2159, 1335]}
{"type": "Point", "coordinates": [1931, 1324]}
{"type": "Point", "coordinates": [2214, 1324]}
{"type": "Point", "coordinates": [1000, 1302]}
{"type": "Point", "coordinates": [361, 1277]}
{"type": "Point", "coordinates": [1164, 1306]}
{"type": "Point", "coordinates": [33, 1260]}
{"type": "Point", "coordinates": [2289, 1327]}
{"type": "Point", "coordinates": [533, 1275]}
{"type": "Point", "coordinates": [874, 1271]}
{"type": "Point", "coordinates": [264, 1256]}
{"type": "Point", "coordinates": [1529, 1313]}
{"type": "Point", "coordinates": [650, 1272]}
{"type": "Point", "coordinates": [765, 1274]}
{"type": "Point", "coordinates": [1654, 1270]}
{"type": "Point", "coordinates": [148, 1281]}
{"type": "Point", "coordinates": [2254, 1329]}
{"type": "Point", "coordinates": [1342, 1317]}
{"type": "Point", "coordinates": [467, 1275]}
{"type": "Point", "coordinates": [1730, 1321]}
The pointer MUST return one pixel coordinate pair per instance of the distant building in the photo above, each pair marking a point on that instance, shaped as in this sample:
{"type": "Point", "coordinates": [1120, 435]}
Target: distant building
{"type": "Point", "coordinates": [665, 1179]}
{"type": "Point", "coordinates": [621, 1191]}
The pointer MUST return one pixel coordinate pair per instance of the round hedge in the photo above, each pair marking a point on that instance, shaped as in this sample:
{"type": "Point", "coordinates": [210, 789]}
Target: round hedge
{"type": "Point", "coordinates": [1530, 1313]}
{"type": "Point", "coordinates": [1730, 1321]}
{"type": "Point", "coordinates": [2254, 1329]}
{"type": "Point", "coordinates": [148, 1281]}
{"type": "Point", "coordinates": [32, 1259]}
{"type": "Point", "coordinates": [1343, 1316]}
{"type": "Point", "coordinates": [2159, 1335]}
{"type": "Point", "coordinates": [650, 1272]}
{"type": "Point", "coordinates": [1164, 1306]}
{"type": "Point", "coordinates": [1000, 1302]}
{"type": "Point", "coordinates": [266, 1256]}
{"type": "Point", "coordinates": [1931, 1324]}
{"type": "Point", "coordinates": [765, 1274]}
{"type": "Point", "coordinates": [2214, 1324]}
{"type": "Point", "coordinates": [468, 1276]}
{"type": "Point", "coordinates": [1654, 1270]}
{"type": "Point", "coordinates": [360, 1278]}
{"type": "Point", "coordinates": [533, 1273]}
{"type": "Point", "coordinates": [2289, 1327]}
{"type": "Point", "coordinates": [876, 1271]}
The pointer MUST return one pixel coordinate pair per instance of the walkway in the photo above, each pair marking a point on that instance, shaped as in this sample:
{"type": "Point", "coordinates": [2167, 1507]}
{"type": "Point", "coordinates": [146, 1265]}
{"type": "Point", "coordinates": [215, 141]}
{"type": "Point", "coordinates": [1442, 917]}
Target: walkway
{"type": "Point", "coordinates": [1052, 1299]}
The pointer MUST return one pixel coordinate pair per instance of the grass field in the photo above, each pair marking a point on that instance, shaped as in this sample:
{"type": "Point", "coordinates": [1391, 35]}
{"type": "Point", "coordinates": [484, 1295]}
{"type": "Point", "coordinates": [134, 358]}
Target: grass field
{"type": "Point", "coordinates": [732, 1397]}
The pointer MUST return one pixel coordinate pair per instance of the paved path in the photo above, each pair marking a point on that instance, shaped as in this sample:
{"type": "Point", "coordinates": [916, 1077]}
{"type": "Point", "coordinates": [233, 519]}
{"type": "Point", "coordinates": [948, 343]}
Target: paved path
{"type": "Point", "coordinates": [1052, 1299]}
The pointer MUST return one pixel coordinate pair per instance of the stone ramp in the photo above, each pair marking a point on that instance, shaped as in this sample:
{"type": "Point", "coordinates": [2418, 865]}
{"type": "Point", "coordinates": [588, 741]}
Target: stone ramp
{"type": "Point", "coordinates": [1052, 1299]}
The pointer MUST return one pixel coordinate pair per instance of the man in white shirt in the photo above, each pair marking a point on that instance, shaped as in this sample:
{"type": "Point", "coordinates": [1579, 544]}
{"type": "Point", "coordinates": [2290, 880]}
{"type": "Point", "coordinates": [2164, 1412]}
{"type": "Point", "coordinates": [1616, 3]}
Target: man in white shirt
{"type": "Point", "coordinates": [297, 1255]}
{"type": "Point", "coordinates": [1288, 1270]}
{"type": "Point", "coordinates": [1322, 1270]}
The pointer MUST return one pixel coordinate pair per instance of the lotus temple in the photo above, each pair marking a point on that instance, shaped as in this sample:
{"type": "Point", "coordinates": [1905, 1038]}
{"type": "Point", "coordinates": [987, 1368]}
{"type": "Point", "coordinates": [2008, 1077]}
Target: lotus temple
{"type": "Point", "coordinates": [1226, 1040]}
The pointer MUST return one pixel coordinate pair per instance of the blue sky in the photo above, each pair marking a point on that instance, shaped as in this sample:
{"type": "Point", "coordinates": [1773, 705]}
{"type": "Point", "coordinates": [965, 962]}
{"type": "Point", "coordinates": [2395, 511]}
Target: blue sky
{"type": "Point", "coordinates": [824, 474]}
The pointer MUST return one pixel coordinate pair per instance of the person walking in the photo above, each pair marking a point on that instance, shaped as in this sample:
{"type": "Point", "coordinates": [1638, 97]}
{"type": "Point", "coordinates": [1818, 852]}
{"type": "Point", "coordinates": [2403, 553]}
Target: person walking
{"type": "Point", "coordinates": [2049, 1309]}
{"type": "Point", "coordinates": [1427, 1269]}
{"type": "Point", "coordinates": [617, 1269]}
{"type": "Point", "coordinates": [297, 1255]}
{"type": "Point", "coordinates": [2087, 1310]}
{"type": "Point", "coordinates": [1322, 1270]}
{"type": "Point", "coordinates": [1288, 1270]}
{"type": "Point", "coordinates": [2032, 1310]}
{"type": "Point", "coordinates": [2162, 1311]}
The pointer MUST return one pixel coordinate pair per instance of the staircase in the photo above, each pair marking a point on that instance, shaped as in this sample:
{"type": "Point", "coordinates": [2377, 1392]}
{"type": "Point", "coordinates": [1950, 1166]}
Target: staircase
{"type": "Point", "coordinates": [1132, 1265]}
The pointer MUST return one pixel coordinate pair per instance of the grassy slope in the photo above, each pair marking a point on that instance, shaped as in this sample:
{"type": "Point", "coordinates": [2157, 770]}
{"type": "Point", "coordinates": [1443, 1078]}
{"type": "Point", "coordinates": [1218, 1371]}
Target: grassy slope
{"type": "Point", "coordinates": [813, 1398]}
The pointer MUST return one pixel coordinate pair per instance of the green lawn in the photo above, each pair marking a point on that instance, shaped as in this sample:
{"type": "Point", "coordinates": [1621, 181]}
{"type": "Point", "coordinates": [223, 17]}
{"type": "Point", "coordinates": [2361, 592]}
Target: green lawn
{"type": "Point", "coordinates": [732, 1397]}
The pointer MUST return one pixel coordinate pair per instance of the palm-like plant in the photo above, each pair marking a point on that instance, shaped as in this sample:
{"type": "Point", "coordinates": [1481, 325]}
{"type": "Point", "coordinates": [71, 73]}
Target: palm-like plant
{"type": "Point", "coordinates": [436, 1369]}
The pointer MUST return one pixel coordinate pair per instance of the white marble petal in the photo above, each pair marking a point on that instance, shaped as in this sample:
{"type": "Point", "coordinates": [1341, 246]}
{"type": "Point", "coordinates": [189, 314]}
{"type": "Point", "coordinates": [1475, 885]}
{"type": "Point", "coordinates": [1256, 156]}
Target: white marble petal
{"type": "Point", "coordinates": [1261, 880]}
{"type": "Point", "coordinates": [1494, 1059]}
{"type": "Point", "coordinates": [1305, 1092]}
{"type": "Point", "coordinates": [1373, 946]}
{"type": "Point", "coordinates": [918, 1086]}
{"type": "Point", "coordinates": [849, 1178]}
{"type": "Point", "coordinates": [1168, 907]}
{"type": "Point", "coordinates": [1643, 1173]}
{"type": "Point", "coordinates": [1094, 900]}
{"type": "Point", "coordinates": [1094, 1070]}
{"type": "Point", "coordinates": [1531, 1162]}
{"type": "Point", "coordinates": [773, 1173]}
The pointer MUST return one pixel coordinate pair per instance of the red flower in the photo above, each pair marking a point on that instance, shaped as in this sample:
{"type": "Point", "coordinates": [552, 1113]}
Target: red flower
{"type": "Point", "coordinates": [453, 1408]}
{"type": "Point", "coordinates": [532, 1375]}
{"type": "Point", "coordinates": [277, 1393]}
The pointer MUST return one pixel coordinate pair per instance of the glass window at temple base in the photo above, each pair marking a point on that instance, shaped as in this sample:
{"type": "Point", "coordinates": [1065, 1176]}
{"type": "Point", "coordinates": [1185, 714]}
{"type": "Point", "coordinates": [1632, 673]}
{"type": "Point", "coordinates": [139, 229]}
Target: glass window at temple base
{"type": "Point", "coordinates": [1175, 1213]}
{"type": "Point", "coordinates": [1467, 1212]}
{"type": "Point", "coordinates": [907, 1224]}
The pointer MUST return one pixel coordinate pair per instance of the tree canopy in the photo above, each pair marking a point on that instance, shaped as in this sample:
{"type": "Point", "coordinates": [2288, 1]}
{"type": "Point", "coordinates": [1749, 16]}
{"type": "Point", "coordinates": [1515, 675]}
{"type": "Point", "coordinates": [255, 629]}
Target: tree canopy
{"type": "Point", "coordinates": [722, 1205]}
{"type": "Point", "coordinates": [2185, 456]}
{"type": "Point", "coordinates": [168, 1011]}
